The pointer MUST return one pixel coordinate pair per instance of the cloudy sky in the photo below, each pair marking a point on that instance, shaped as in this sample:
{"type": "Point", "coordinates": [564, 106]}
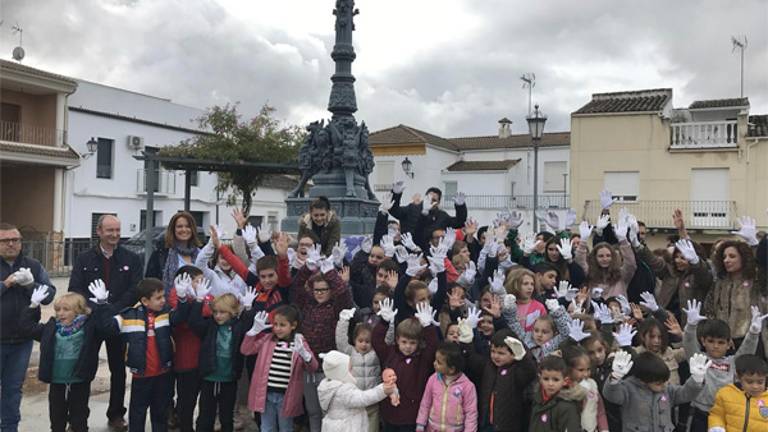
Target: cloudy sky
{"type": "Point", "coordinates": [450, 67]}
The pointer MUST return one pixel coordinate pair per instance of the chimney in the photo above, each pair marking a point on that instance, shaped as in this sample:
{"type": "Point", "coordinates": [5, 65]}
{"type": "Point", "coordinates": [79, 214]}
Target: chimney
{"type": "Point", "coordinates": [504, 128]}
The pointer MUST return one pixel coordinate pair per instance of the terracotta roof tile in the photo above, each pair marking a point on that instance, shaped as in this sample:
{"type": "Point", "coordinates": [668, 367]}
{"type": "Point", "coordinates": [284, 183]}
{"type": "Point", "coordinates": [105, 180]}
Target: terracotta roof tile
{"type": "Point", "coordinates": [483, 165]}
{"type": "Point", "coordinates": [631, 101]}
{"type": "Point", "coordinates": [719, 103]}
{"type": "Point", "coordinates": [39, 150]}
{"type": "Point", "coordinates": [758, 126]}
{"type": "Point", "coordinates": [403, 135]}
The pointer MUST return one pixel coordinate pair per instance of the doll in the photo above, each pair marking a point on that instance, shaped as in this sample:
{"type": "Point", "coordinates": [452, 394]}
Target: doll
{"type": "Point", "coordinates": [389, 376]}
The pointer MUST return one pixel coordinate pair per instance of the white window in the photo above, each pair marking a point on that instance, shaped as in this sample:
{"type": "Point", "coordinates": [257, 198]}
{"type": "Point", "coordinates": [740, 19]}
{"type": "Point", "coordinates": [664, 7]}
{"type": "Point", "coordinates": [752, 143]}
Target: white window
{"type": "Point", "coordinates": [710, 192]}
{"type": "Point", "coordinates": [555, 176]}
{"type": "Point", "coordinates": [624, 185]}
{"type": "Point", "coordinates": [385, 175]}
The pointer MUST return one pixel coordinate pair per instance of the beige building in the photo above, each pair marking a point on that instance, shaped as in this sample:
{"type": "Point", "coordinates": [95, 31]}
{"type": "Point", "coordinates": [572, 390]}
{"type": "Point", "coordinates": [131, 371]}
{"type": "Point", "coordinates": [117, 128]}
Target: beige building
{"type": "Point", "coordinates": [710, 160]}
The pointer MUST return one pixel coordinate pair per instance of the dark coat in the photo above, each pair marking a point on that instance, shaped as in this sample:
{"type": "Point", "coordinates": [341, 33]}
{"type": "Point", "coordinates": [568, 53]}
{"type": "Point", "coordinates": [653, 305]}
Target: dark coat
{"type": "Point", "coordinates": [15, 298]}
{"type": "Point", "coordinates": [560, 413]}
{"type": "Point", "coordinates": [87, 361]}
{"type": "Point", "coordinates": [207, 329]}
{"type": "Point", "coordinates": [362, 280]}
{"type": "Point", "coordinates": [125, 272]}
{"type": "Point", "coordinates": [330, 234]}
{"type": "Point", "coordinates": [421, 226]}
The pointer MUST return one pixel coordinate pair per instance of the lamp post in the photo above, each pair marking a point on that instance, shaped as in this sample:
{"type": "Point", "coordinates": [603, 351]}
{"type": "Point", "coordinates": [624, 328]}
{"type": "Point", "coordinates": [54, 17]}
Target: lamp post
{"type": "Point", "coordinates": [92, 145]}
{"type": "Point", "coordinates": [408, 167]}
{"type": "Point", "coordinates": [536, 122]}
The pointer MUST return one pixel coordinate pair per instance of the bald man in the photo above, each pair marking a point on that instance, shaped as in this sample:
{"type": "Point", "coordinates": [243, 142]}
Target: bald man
{"type": "Point", "coordinates": [121, 270]}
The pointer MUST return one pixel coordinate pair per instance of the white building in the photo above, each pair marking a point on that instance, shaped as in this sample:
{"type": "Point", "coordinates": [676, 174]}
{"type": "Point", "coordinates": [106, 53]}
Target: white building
{"type": "Point", "coordinates": [112, 181]}
{"type": "Point", "coordinates": [495, 172]}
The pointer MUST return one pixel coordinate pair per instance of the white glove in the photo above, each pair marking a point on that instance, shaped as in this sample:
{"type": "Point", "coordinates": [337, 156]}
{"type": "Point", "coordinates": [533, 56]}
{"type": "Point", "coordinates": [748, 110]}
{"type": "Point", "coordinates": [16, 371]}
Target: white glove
{"type": "Point", "coordinates": [441, 250]}
{"type": "Point", "coordinates": [203, 288]}
{"type": "Point", "coordinates": [426, 205]}
{"type": "Point", "coordinates": [473, 316]}
{"type": "Point", "coordinates": [622, 230]}
{"type": "Point", "coordinates": [467, 278]}
{"type": "Point", "coordinates": [585, 230]}
{"type": "Point", "coordinates": [398, 187]}
{"type": "Point", "coordinates": [756, 325]}
{"type": "Point", "coordinates": [576, 331]}
{"type": "Point", "coordinates": [497, 283]}
{"type": "Point", "coordinates": [414, 265]}
{"type": "Point", "coordinates": [625, 335]}
{"type": "Point", "coordinates": [606, 199]}
{"type": "Point", "coordinates": [716, 429]}
{"type": "Point", "coordinates": [625, 307]}
{"type": "Point", "coordinates": [649, 301]}
{"type": "Point", "coordinates": [529, 243]}
{"type": "Point", "coordinates": [401, 254]}
{"type": "Point", "coordinates": [450, 237]}
{"type": "Point", "coordinates": [622, 364]}
{"type": "Point", "coordinates": [386, 203]}
{"type": "Point", "coordinates": [602, 313]}
{"type": "Point", "coordinates": [367, 244]}
{"type": "Point", "coordinates": [425, 314]}
{"type": "Point", "coordinates": [388, 244]}
{"type": "Point", "coordinates": [436, 264]}
{"type": "Point", "coordinates": [514, 219]}
{"type": "Point", "coordinates": [407, 240]}
{"type": "Point", "coordinates": [247, 298]}
{"type": "Point", "coordinates": [465, 331]}
{"type": "Point", "coordinates": [300, 349]}
{"type": "Point", "coordinates": [183, 286]}
{"type": "Point", "coordinates": [566, 249]}
{"type": "Point", "coordinates": [634, 231]}
{"type": "Point", "coordinates": [249, 235]}
{"type": "Point", "coordinates": [99, 291]}
{"type": "Point", "coordinates": [747, 230]}
{"type": "Point", "coordinates": [265, 233]}
{"type": "Point", "coordinates": [338, 253]}
{"type": "Point", "coordinates": [39, 294]}
{"type": "Point", "coordinates": [347, 314]}
{"type": "Point", "coordinates": [602, 223]}
{"type": "Point", "coordinates": [509, 302]}
{"type": "Point", "coordinates": [292, 257]}
{"type": "Point", "coordinates": [24, 276]}
{"type": "Point", "coordinates": [259, 324]}
{"type": "Point", "coordinates": [566, 291]}
{"type": "Point", "coordinates": [326, 265]}
{"type": "Point", "coordinates": [517, 348]}
{"type": "Point", "coordinates": [550, 218]}
{"type": "Point", "coordinates": [256, 253]}
{"type": "Point", "coordinates": [692, 313]}
{"type": "Point", "coordinates": [432, 286]}
{"type": "Point", "coordinates": [552, 305]}
{"type": "Point", "coordinates": [688, 251]}
{"type": "Point", "coordinates": [385, 311]}
{"type": "Point", "coordinates": [313, 257]}
{"type": "Point", "coordinates": [699, 364]}
{"type": "Point", "coordinates": [459, 199]}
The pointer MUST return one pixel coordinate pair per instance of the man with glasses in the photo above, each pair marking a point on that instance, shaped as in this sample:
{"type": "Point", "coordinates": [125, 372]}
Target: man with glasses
{"type": "Point", "coordinates": [20, 276]}
{"type": "Point", "coordinates": [121, 270]}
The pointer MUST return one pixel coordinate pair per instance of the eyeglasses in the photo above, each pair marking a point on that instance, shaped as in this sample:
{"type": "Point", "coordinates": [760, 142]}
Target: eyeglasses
{"type": "Point", "coordinates": [11, 240]}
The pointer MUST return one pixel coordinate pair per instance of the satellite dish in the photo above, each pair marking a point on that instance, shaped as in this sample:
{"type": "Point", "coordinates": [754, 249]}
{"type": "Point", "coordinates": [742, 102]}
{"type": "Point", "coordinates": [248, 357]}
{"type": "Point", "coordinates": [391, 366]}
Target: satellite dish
{"type": "Point", "coordinates": [18, 53]}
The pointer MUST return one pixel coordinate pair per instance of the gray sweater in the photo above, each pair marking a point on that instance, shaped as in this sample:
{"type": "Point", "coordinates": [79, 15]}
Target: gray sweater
{"type": "Point", "coordinates": [722, 371]}
{"type": "Point", "coordinates": [644, 410]}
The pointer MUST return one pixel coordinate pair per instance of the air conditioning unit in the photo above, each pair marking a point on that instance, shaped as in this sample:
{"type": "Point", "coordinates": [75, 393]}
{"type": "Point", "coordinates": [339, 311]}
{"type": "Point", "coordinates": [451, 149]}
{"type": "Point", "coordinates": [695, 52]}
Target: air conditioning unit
{"type": "Point", "coordinates": [135, 143]}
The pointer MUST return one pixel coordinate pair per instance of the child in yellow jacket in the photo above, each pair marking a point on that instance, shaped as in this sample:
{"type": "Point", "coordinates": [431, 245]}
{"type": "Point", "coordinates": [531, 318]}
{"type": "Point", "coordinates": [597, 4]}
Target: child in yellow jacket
{"type": "Point", "coordinates": [742, 406]}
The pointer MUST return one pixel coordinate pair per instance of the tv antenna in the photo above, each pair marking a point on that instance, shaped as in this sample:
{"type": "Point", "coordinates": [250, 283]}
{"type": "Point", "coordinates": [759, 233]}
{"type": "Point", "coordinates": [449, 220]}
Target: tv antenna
{"type": "Point", "coordinates": [18, 52]}
{"type": "Point", "coordinates": [741, 46]}
{"type": "Point", "coordinates": [529, 82]}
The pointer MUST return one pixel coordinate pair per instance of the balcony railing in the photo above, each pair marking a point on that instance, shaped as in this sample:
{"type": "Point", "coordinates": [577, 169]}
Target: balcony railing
{"type": "Point", "coordinates": [658, 214]}
{"type": "Point", "coordinates": [505, 202]}
{"type": "Point", "coordinates": [28, 134]}
{"type": "Point", "coordinates": [704, 135]}
{"type": "Point", "coordinates": [165, 182]}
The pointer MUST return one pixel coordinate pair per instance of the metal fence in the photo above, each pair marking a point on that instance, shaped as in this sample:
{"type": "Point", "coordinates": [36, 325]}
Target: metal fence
{"type": "Point", "coordinates": [57, 256]}
{"type": "Point", "coordinates": [504, 202]}
{"type": "Point", "coordinates": [658, 214]}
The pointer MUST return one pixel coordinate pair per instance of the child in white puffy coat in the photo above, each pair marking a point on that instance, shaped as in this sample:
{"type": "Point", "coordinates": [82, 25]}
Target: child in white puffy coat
{"type": "Point", "coordinates": [343, 404]}
{"type": "Point", "coordinates": [365, 366]}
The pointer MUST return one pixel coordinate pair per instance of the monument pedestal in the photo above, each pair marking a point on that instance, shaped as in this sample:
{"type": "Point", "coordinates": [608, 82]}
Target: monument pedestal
{"type": "Point", "coordinates": [357, 216]}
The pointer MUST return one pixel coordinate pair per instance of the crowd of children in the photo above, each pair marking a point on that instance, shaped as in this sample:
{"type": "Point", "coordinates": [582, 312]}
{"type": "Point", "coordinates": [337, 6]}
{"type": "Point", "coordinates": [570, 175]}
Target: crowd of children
{"type": "Point", "coordinates": [432, 324]}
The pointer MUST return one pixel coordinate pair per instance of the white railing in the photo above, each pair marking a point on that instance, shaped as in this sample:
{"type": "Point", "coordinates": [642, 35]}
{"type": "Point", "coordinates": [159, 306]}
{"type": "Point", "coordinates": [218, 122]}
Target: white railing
{"type": "Point", "coordinates": [702, 135]}
{"type": "Point", "coordinates": [658, 214]}
{"type": "Point", "coordinates": [165, 182]}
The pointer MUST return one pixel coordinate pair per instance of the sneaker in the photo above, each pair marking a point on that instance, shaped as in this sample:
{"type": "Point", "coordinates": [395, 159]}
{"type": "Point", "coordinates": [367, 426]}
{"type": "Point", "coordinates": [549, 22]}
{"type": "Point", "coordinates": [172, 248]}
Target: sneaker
{"type": "Point", "coordinates": [117, 425]}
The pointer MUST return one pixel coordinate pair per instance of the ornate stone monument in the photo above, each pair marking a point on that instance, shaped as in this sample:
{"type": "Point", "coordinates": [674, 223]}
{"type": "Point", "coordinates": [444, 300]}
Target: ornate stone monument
{"type": "Point", "coordinates": [335, 155]}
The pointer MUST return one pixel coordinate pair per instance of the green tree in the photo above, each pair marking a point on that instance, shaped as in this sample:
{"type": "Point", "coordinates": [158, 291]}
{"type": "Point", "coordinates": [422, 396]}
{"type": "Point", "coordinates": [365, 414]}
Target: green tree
{"type": "Point", "coordinates": [262, 139]}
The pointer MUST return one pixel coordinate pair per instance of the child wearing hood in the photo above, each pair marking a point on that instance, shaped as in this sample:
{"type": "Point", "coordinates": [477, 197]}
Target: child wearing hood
{"type": "Point", "coordinates": [343, 404]}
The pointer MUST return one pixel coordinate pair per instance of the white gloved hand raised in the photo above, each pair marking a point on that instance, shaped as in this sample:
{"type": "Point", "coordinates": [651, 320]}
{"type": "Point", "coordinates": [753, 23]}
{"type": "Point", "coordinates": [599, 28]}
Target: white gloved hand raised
{"type": "Point", "coordinates": [747, 230]}
{"type": "Point", "coordinates": [347, 314]}
{"type": "Point", "coordinates": [407, 240]}
{"type": "Point", "coordinates": [385, 311]}
{"type": "Point", "coordinates": [414, 265]}
{"type": "Point", "coordinates": [693, 312]}
{"type": "Point", "coordinates": [249, 235]}
{"type": "Point", "coordinates": [622, 364]}
{"type": "Point", "coordinates": [338, 253]}
{"type": "Point", "coordinates": [259, 324]}
{"type": "Point", "coordinates": [552, 305]}
{"type": "Point", "coordinates": [649, 301]}
{"type": "Point", "coordinates": [566, 291]}
{"type": "Point", "coordinates": [497, 283]}
{"type": "Point", "coordinates": [756, 324]}
{"type": "Point", "coordinates": [699, 364]}
{"type": "Point", "coordinates": [38, 296]}
{"type": "Point", "coordinates": [248, 297]}
{"type": "Point", "coordinates": [576, 331]}
{"type": "Point", "coordinates": [606, 199]}
{"type": "Point", "coordinates": [585, 230]}
{"type": "Point", "coordinates": [566, 249]}
{"type": "Point", "coordinates": [300, 349]}
{"type": "Point", "coordinates": [99, 291]}
{"type": "Point", "coordinates": [398, 187]}
{"type": "Point", "coordinates": [517, 348]}
{"type": "Point", "coordinates": [688, 251]}
{"type": "Point", "coordinates": [183, 286]}
{"type": "Point", "coordinates": [625, 335]}
{"type": "Point", "coordinates": [425, 314]}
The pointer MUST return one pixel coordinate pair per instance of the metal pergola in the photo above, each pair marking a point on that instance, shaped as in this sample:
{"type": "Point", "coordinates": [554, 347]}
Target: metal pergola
{"type": "Point", "coordinates": [190, 165]}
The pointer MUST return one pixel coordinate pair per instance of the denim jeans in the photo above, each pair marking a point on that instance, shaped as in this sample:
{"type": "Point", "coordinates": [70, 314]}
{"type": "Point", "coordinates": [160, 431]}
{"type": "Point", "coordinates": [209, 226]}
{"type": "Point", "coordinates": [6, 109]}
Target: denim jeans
{"type": "Point", "coordinates": [271, 421]}
{"type": "Point", "coordinates": [14, 360]}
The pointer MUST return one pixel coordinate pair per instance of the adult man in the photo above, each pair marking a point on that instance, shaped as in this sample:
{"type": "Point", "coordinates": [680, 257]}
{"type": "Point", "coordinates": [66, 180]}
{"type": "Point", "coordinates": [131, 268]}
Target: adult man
{"type": "Point", "coordinates": [20, 276]}
{"type": "Point", "coordinates": [121, 270]}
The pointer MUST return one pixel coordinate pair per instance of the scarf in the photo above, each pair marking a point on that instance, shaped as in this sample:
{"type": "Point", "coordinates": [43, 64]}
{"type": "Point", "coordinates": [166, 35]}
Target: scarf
{"type": "Point", "coordinates": [71, 328]}
{"type": "Point", "coordinates": [172, 263]}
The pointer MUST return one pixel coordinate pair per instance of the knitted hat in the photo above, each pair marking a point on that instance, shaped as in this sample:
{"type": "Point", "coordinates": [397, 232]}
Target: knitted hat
{"type": "Point", "coordinates": [336, 366]}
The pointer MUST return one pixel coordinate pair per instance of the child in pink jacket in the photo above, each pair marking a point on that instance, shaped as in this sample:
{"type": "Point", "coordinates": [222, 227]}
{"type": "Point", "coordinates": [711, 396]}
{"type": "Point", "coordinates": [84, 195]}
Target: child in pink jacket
{"type": "Point", "coordinates": [282, 356]}
{"type": "Point", "coordinates": [449, 386]}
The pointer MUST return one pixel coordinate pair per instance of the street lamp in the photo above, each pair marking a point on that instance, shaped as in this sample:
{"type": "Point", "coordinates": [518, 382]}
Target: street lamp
{"type": "Point", "coordinates": [92, 146]}
{"type": "Point", "coordinates": [408, 167]}
{"type": "Point", "coordinates": [536, 122]}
